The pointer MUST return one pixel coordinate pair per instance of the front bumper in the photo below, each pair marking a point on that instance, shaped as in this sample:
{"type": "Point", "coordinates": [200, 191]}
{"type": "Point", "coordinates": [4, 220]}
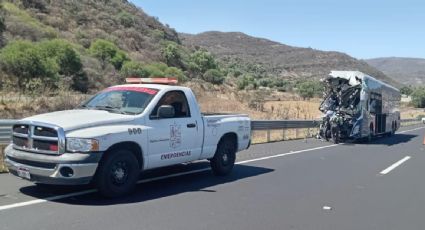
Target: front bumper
{"type": "Point", "coordinates": [46, 169]}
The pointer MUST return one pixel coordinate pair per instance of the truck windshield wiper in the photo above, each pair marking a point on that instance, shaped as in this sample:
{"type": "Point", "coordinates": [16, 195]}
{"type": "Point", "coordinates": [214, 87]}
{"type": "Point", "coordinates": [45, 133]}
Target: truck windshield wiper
{"type": "Point", "coordinates": [82, 107]}
{"type": "Point", "coordinates": [109, 108]}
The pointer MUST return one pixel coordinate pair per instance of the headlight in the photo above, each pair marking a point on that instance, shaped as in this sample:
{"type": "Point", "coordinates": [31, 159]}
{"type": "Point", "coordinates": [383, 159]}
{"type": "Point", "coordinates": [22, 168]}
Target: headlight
{"type": "Point", "coordinates": [82, 145]}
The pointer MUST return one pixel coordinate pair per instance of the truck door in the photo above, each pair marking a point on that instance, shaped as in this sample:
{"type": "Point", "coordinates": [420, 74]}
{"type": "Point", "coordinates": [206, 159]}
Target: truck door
{"type": "Point", "coordinates": [177, 139]}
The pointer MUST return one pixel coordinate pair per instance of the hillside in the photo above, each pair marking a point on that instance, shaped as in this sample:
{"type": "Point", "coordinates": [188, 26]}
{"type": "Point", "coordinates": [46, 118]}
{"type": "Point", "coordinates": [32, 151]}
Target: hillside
{"type": "Point", "coordinates": [408, 70]}
{"type": "Point", "coordinates": [85, 44]}
{"type": "Point", "coordinates": [85, 20]}
{"type": "Point", "coordinates": [90, 44]}
{"type": "Point", "coordinates": [273, 58]}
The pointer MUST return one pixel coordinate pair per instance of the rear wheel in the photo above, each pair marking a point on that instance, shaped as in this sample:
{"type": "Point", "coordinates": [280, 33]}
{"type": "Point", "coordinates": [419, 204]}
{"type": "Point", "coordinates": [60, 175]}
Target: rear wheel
{"type": "Point", "coordinates": [224, 159]}
{"type": "Point", "coordinates": [117, 174]}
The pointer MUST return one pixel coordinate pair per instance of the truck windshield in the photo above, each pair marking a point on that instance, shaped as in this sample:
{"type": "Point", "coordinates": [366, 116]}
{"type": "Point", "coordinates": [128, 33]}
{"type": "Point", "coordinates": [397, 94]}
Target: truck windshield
{"type": "Point", "coordinates": [130, 101]}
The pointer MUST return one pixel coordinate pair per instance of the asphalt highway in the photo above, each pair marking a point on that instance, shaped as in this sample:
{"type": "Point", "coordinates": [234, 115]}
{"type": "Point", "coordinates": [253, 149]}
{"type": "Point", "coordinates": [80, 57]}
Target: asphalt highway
{"type": "Point", "coordinates": [302, 184]}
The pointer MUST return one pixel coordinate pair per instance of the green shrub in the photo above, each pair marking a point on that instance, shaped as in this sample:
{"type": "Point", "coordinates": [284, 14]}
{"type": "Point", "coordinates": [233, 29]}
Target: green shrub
{"type": "Point", "coordinates": [245, 81]}
{"type": "Point", "coordinates": [154, 71]}
{"type": "Point", "coordinates": [309, 89]}
{"type": "Point", "coordinates": [108, 53]}
{"type": "Point", "coordinates": [133, 69]}
{"type": "Point", "coordinates": [172, 54]}
{"type": "Point", "coordinates": [25, 60]}
{"type": "Point", "coordinates": [214, 76]}
{"type": "Point", "coordinates": [406, 90]}
{"type": "Point", "coordinates": [418, 97]}
{"type": "Point", "coordinates": [201, 61]}
{"type": "Point", "coordinates": [175, 72]}
{"type": "Point", "coordinates": [65, 55]}
{"type": "Point", "coordinates": [119, 59]}
{"type": "Point", "coordinates": [126, 19]}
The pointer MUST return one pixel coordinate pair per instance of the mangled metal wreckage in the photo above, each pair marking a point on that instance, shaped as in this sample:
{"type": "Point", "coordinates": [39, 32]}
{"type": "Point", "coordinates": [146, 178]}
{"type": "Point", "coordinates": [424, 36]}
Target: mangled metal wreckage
{"type": "Point", "coordinates": [357, 106]}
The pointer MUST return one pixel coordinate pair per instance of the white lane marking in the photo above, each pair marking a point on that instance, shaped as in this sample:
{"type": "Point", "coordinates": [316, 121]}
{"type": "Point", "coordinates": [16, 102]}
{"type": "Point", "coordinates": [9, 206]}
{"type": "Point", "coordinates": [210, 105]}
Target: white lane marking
{"type": "Point", "coordinates": [52, 198]}
{"type": "Point", "coordinates": [410, 130]}
{"type": "Point", "coordinates": [38, 201]}
{"type": "Point", "coordinates": [285, 154]}
{"type": "Point", "coordinates": [395, 165]}
{"type": "Point", "coordinates": [327, 208]}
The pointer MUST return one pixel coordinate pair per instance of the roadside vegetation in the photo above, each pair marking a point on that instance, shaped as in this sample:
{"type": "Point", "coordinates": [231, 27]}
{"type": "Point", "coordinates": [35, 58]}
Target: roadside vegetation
{"type": "Point", "coordinates": [55, 54]}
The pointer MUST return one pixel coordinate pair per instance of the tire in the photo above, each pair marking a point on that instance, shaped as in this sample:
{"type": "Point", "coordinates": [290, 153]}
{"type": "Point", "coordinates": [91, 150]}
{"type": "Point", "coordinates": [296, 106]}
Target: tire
{"type": "Point", "coordinates": [224, 158]}
{"type": "Point", "coordinates": [335, 135]}
{"type": "Point", "coordinates": [117, 174]}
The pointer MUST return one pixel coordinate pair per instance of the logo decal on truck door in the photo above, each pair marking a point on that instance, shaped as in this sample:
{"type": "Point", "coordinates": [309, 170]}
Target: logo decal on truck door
{"type": "Point", "coordinates": [175, 136]}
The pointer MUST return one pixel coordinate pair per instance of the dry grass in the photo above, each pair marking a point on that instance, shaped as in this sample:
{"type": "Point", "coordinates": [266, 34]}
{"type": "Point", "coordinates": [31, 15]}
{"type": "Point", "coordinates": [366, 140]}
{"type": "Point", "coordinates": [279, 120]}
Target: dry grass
{"type": "Point", "coordinates": [3, 168]}
{"type": "Point", "coordinates": [16, 106]}
{"type": "Point", "coordinates": [281, 135]}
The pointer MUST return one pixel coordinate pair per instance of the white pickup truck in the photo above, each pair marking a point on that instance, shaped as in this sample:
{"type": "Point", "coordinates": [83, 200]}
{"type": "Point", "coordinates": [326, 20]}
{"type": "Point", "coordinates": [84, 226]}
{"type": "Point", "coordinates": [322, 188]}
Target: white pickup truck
{"type": "Point", "coordinates": [120, 132]}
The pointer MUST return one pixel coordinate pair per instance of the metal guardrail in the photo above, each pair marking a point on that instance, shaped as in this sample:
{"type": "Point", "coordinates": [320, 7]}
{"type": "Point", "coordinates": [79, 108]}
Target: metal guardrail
{"type": "Point", "coordinates": [5, 130]}
{"type": "Point", "coordinates": [259, 125]}
{"type": "Point", "coordinates": [283, 124]}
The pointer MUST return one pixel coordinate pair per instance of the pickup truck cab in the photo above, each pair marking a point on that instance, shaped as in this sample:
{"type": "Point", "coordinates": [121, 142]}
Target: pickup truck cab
{"type": "Point", "coordinates": [122, 131]}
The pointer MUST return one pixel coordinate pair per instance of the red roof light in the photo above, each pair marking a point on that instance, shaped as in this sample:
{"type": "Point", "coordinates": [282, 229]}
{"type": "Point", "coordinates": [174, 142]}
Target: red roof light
{"type": "Point", "coordinates": [162, 80]}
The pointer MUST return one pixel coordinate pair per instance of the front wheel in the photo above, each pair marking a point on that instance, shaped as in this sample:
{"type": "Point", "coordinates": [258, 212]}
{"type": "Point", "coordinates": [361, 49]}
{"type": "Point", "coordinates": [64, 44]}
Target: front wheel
{"type": "Point", "coordinates": [117, 174]}
{"type": "Point", "coordinates": [224, 159]}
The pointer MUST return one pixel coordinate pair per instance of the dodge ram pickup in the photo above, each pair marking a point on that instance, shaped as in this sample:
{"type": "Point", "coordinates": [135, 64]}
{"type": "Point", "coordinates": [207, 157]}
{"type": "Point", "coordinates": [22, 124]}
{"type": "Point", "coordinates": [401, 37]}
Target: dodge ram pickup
{"type": "Point", "coordinates": [122, 131]}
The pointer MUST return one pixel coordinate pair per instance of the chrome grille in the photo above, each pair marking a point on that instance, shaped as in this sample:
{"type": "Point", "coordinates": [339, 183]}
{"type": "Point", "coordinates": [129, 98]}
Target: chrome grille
{"type": "Point", "coordinates": [38, 138]}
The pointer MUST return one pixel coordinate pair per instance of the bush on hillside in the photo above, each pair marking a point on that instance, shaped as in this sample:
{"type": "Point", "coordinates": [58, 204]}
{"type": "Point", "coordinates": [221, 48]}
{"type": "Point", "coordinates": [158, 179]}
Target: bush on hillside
{"type": "Point", "coordinates": [135, 69]}
{"type": "Point", "coordinates": [175, 72]}
{"type": "Point", "coordinates": [107, 52]}
{"type": "Point", "coordinates": [172, 54]}
{"type": "Point", "coordinates": [200, 61]}
{"type": "Point", "coordinates": [418, 97]}
{"type": "Point", "coordinates": [126, 19]}
{"type": "Point", "coordinates": [25, 60]}
{"type": "Point", "coordinates": [45, 60]}
{"type": "Point", "coordinates": [406, 90]}
{"type": "Point", "coordinates": [214, 76]}
{"type": "Point", "coordinates": [246, 81]}
{"type": "Point", "coordinates": [309, 89]}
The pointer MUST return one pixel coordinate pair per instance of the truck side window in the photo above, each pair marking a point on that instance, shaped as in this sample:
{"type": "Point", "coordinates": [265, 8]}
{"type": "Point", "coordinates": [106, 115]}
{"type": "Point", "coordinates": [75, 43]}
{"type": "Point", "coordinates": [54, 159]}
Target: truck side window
{"type": "Point", "coordinates": [178, 100]}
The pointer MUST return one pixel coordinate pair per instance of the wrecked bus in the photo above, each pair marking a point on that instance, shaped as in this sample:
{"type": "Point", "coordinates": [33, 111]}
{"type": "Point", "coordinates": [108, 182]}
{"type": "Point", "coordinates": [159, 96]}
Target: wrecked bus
{"type": "Point", "coordinates": [358, 106]}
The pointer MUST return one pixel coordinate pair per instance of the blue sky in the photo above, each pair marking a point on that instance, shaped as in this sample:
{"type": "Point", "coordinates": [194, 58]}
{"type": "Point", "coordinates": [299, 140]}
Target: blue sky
{"type": "Point", "coordinates": [361, 28]}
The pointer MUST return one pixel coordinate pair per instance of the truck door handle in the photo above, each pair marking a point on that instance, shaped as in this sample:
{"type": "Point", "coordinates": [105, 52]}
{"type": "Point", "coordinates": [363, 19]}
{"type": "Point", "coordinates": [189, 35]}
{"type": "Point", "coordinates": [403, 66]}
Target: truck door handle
{"type": "Point", "coordinates": [191, 125]}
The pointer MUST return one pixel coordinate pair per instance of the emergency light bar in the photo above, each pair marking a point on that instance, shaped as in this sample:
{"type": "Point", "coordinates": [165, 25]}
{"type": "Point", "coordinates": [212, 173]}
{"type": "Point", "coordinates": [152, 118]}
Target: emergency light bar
{"type": "Point", "coordinates": [162, 80]}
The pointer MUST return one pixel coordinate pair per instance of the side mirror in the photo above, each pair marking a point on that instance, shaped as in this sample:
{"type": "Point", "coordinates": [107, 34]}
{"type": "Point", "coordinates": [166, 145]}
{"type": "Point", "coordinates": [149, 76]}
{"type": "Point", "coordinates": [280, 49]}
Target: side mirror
{"type": "Point", "coordinates": [166, 111]}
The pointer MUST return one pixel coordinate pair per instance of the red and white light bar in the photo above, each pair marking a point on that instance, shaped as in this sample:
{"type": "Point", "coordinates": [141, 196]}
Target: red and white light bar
{"type": "Point", "coordinates": [159, 80]}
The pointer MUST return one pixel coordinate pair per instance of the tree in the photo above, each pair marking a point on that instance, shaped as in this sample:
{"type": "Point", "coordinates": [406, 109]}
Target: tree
{"type": "Point", "coordinates": [65, 55]}
{"type": "Point", "coordinates": [418, 97]}
{"type": "Point", "coordinates": [133, 69]}
{"type": "Point", "coordinates": [103, 50]}
{"type": "Point", "coordinates": [24, 60]}
{"type": "Point", "coordinates": [309, 89]}
{"type": "Point", "coordinates": [214, 76]}
{"type": "Point", "coordinates": [171, 54]}
{"type": "Point", "coordinates": [201, 61]}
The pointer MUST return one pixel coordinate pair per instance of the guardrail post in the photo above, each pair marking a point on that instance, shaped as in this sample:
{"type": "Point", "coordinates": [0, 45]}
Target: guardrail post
{"type": "Point", "coordinates": [296, 133]}
{"type": "Point", "coordinates": [283, 134]}
{"type": "Point", "coordinates": [268, 135]}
